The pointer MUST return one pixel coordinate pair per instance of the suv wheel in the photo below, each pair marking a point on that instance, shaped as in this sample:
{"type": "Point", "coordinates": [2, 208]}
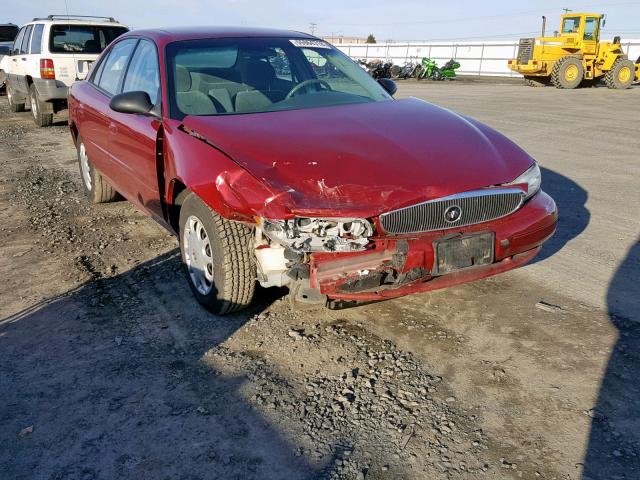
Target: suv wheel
{"type": "Point", "coordinates": [13, 106]}
{"type": "Point", "coordinates": [37, 107]}
{"type": "Point", "coordinates": [217, 258]}
{"type": "Point", "coordinates": [95, 186]}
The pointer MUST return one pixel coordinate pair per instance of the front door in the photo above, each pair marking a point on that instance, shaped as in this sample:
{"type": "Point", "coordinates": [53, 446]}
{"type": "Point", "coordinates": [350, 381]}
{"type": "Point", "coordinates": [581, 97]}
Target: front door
{"type": "Point", "coordinates": [133, 137]}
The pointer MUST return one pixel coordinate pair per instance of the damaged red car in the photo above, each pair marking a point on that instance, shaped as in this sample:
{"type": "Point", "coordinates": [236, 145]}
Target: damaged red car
{"type": "Point", "coordinates": [278, 161]}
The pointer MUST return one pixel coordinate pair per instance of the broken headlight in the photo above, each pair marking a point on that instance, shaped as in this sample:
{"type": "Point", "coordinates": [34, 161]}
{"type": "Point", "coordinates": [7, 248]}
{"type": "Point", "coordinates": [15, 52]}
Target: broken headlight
{"type": "Point", "coordinates": [306, 234]}
{"type": "Point", "coordinates": [532, 177]}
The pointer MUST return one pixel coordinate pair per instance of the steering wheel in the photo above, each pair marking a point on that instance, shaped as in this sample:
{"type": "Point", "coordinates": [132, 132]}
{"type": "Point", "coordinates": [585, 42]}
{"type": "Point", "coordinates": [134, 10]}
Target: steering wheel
{"type": "Point", "coordinates": [305, 84]}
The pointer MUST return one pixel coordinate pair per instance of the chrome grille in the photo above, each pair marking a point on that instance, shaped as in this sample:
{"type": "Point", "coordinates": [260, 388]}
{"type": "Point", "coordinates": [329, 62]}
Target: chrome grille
{"type": "Point", "coordinates": [525, 49]}
{"type": "Point", "coordinates": [476, 207]}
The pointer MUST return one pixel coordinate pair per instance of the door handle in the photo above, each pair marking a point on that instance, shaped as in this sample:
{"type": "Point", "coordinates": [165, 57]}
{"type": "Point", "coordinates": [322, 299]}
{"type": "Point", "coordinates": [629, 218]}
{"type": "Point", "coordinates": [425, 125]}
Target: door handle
{"type": "Point", "coordinates": [24, 59]}
{"type": "Point", "coordinates": [113, 128]}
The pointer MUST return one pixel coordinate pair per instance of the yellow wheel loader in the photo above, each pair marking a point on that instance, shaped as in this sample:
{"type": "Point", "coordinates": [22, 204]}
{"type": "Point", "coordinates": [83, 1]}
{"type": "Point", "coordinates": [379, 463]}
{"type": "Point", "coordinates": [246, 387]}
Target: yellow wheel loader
{"type": "Point", "coordinates": [575, 56]}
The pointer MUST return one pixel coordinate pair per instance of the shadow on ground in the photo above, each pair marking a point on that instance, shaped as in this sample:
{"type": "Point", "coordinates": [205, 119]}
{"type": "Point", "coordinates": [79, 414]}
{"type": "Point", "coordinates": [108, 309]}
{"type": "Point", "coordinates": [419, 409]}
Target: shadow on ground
{"type": "Point", "coordinates": [569, 197]}
{"type": "Point", "coordinates": [613, 447]}
{"type": "Point", "coordinates": [111, 378]}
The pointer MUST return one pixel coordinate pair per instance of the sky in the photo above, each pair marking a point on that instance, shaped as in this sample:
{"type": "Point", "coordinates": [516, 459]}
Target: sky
{"type": "Point", "coordinates": [387, 20]}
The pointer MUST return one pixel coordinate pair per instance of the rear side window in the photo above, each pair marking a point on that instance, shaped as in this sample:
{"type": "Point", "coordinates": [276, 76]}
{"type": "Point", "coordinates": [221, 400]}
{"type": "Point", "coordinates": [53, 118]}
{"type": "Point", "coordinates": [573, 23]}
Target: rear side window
{"type": "Point", "coordinates": [114, 66]}
{"type": "Point", "coordinates": [25, 40]}
{"type": "Point", "coordinates": [36, 38]}
{"type": "Point", "coordinates": [82, 38]}
{"type": "Point", "coordinates": [143, 74]}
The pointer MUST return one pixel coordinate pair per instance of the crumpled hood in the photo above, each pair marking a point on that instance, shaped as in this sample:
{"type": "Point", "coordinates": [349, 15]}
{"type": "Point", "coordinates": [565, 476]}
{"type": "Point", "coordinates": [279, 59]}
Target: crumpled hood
{"type": "Point", "coordinates": [364, 158]}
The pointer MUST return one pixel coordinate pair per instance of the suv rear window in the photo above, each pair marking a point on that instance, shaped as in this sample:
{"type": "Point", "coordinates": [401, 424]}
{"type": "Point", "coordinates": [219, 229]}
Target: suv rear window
{"type": "Point", "coordinates": [8, 33]}
{"type": "Point", "coordinates": [82, 38]}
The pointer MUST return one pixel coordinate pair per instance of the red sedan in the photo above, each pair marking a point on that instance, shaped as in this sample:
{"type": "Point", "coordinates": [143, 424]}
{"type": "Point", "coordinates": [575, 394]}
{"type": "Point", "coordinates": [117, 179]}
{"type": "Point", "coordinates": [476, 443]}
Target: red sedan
{"type": "Point", "coordinates": [277, 160]}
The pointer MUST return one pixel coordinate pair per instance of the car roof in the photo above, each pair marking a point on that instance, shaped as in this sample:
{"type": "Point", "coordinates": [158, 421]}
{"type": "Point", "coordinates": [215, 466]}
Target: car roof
{"type": "Point", "coordinates": [173, 34]}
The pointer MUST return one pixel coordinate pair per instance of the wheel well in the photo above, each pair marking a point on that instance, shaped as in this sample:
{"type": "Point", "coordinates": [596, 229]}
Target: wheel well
{"type": "Point", "coordinates": [74, 132]}
{"type": "Point", "coordinates": [179, 191]}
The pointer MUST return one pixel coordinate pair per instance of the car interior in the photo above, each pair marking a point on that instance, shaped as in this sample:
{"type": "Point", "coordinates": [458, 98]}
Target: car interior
{"type": "Point", "coordinates": [250, 85]}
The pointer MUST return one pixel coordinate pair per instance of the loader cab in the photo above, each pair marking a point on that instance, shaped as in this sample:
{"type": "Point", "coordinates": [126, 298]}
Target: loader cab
{"type": "Point", "coordinates": [581, 31]}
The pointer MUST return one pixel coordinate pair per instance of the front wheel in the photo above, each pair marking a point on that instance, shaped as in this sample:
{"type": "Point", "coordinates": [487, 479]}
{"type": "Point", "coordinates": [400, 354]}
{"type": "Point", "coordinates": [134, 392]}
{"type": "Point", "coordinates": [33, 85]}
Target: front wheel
{"type": "Point", "coordinates": [40, 118]}
{"type": "Point", "coordinates": [621, 75]}
{"type": "Point", "coordinates": [217, 258]}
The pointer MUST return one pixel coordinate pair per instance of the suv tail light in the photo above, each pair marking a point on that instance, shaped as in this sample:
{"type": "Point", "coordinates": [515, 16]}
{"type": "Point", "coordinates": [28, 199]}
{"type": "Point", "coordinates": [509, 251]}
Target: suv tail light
{"type": "Point", "coordinates": [46, 69]}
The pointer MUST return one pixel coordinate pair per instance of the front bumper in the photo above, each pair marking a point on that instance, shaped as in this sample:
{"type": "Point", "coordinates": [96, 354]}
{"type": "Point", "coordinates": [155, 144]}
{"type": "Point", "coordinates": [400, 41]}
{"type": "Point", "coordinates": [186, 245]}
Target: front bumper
{"type": "Point", "coordinates": [518, 238]}
{"type": "Point", "coordinates": [49, 90]}
{"type": "Point", "coordinates": [532, 67]}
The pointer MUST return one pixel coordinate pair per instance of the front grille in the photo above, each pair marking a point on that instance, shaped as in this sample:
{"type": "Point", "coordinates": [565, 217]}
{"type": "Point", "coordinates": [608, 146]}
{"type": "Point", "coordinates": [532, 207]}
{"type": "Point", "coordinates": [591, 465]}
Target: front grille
{"type": "Point", "coordinates": [474, 207]}
{"type": "Point", "coordinates": [525, 49]}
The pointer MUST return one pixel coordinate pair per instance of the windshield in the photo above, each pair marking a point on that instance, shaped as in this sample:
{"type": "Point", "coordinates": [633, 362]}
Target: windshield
{"type": "Point", "coordinates": [250, 75]}
{"type": "Point", "coordinates": [8, 33]}
{"type": "Point", "coordinates": [82, 38]}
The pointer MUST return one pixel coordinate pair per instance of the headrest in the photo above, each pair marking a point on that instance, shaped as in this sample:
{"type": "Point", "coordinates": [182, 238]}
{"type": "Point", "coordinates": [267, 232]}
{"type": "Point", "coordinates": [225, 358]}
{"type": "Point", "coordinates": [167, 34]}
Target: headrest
{"type": "Point", "coordinates": [183, 79]}
{"type": "Point", "coordinates": [257, 73]}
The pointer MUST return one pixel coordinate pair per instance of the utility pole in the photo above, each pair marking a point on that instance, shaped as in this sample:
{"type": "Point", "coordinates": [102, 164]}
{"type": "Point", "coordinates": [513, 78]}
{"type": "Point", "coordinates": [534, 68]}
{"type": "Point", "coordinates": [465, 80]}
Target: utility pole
{"type": "Point", "coordinates": [567, 10]}
{"type": "Point", "coordinates": [312, 27]}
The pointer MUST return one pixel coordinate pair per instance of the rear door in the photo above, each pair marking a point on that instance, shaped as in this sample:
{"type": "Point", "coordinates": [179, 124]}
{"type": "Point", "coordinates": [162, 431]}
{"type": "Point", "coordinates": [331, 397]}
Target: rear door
{"type": "Point", "coordinates": [133, 137]}
{"type": "Point", "coordinates": [93, 109]}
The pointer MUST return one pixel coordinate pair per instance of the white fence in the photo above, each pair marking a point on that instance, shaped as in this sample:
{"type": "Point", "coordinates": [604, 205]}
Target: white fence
{"type": "Point", "coordinates": [476, 58]}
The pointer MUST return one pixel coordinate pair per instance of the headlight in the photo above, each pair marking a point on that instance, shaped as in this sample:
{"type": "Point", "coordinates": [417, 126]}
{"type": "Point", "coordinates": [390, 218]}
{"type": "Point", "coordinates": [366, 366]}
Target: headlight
{"type": "Point", "coordinates": [532, 177]}
{"type": "Point", "coordinates": [307, 234]}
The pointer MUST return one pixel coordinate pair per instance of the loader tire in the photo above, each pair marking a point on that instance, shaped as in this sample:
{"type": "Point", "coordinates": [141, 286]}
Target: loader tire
{"type": "Point", "coordinates": [536, 81]}
{"type": "Point", "coordinates": [217, 257]}
{"type": "Point", "coordinates": [621, 75]}
{"type": "Point", "coordinates": [567, 73]}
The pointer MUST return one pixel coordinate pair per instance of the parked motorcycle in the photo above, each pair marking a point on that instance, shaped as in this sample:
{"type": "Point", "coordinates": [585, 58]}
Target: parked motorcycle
{"type": "Point", "coordinates": [431, 70]}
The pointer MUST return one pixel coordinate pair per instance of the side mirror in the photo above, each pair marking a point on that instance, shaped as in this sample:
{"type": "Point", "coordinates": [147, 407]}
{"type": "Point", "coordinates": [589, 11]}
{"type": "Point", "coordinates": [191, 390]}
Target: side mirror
{"type": "Point", "coordinates": [132, 102]}
{"type": "Point", "coordinates": [389, 85]}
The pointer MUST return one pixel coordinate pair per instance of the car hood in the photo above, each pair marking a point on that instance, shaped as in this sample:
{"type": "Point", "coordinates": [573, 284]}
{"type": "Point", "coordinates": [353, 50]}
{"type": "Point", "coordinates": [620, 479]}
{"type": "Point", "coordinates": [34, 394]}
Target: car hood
{"type": "Point", "coordinates": [364, 159]}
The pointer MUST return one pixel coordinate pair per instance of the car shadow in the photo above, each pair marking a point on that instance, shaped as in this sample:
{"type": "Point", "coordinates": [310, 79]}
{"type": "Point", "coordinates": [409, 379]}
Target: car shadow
{"type": "Point", "coordinates": [573, 215]}
{"type": "Point", "coordinates": [111, 380]}
{"type": "Point", "coordinates": [612, 451]}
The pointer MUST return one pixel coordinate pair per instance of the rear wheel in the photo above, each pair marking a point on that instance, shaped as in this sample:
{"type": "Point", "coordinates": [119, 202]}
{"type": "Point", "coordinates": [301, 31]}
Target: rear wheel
{"type": "Point", "coordinates": [97, 189]}
{"type": "Point", "coordinates": [13, 105]}
{"type": "Point", "coordinates": [621, 75]}
{"type": "Point", "coordinates": [536, 81]}
{"type": "Point", "coordinates": [38, 108]}
{"type": "Point", "coordinates": [217, 258]}
{"type": "Point", "coordinates": [568, 72]}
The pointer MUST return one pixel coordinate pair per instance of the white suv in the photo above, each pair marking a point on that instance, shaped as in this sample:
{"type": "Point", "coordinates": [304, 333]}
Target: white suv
{"type": "Point", "coordinates": [48, 55]}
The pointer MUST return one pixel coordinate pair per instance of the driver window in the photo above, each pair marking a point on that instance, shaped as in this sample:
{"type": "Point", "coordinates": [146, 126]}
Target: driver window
{"type": "Point", "coordinates": [590, 28]}
{"type": "Point", "coordinates": [143, 74]}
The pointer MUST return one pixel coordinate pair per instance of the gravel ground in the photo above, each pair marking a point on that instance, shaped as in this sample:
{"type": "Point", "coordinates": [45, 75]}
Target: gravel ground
{"type": "Point", "coordinates": [111, 370]}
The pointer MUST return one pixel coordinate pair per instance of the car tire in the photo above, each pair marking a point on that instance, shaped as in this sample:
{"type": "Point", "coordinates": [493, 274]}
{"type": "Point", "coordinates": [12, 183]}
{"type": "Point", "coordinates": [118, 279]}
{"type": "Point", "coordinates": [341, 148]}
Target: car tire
{"type": "Point", "coordinates": [40, 118]}
{"type": "Point", "coordinates": [568, 73]}
{"type": "Point", "coordinates": [13, 106]}
{"type": "Point", "coordinates": [97, 189]}
{"type": "Point", "coordinates": [217, 257]}
{"type": "Point", "coordinates": [621, 75]}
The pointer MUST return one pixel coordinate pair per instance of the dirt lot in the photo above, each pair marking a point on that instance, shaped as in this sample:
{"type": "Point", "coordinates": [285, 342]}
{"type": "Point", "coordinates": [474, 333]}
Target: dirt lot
{"type": "Point", "coordinates": [109, 369]}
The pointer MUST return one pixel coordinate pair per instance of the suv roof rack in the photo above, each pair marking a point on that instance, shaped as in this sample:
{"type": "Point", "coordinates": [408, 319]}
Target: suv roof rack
{"type": "Point", "coordinates": [74, 17]}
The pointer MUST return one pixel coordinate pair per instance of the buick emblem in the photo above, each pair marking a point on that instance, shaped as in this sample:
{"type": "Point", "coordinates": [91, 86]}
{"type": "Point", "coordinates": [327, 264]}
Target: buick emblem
{"type": "Point", "coordinates": [453, 214]}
